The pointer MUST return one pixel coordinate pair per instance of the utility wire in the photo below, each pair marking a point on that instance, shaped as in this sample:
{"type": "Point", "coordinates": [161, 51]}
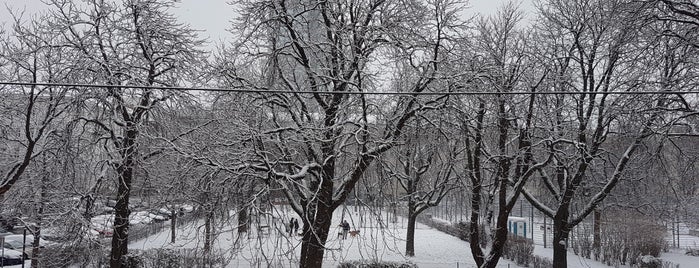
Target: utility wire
{"type": "Point", "coordinates": [276, 91]}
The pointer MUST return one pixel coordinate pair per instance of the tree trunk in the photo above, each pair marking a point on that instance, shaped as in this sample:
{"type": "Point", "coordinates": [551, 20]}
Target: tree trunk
{"type": "Point", "coordinates": [173, 225]}
{"type": "Point", "coordinates": [313, 243]}
{"type": "Point", "coordinates": [318, 212]}
{"type": "Point", "coordinates": [121, 220]}
{"type": "Point", "coordinates": [120, 239]}
{"type": "Point", "coordinates": [39, 216]}
{"type": "Point", "coordinates": [499, 240]}
{"type": "Point", "coordinates": [243, 222]}
{"type": "Point", "coordinates": [596, 230]}
{"type": "Point", "coordinates": [35, 246]}
{"type": "Point", "coordinates": [207, 233]}
{"type": "Point", "coordinates": [560, 244]}
{"type": "Point", "coordinates": [410, 239]}
{"type": "Point", "coordinates": [500, 236]}
{"type": "Point", "coordinates": [121, 223]}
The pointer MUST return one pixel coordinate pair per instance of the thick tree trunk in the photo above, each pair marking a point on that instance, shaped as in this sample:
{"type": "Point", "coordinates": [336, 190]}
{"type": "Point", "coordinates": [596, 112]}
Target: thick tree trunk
{"type": "Point", "coordinates": [596, 230]}
{"type": "Point", "coordinates": [36, 246]}
{"type": "Point", "coordinates": [315, 234]}
{"type": "Point", "coordinates": [207, 233]}
{"type": "Point", "coordinates": [318, 212]}
{"type": "Point", "coordinates": [120, 239]}
{"type": "Point", "coordinates": [474, 237]}
{"type": "Point", "coordinates": [410, 239]}
{"type": "Point", "coordinates": [560, 244]}
{"type": "Point", "coordinates": [121, 219]}
{"type": "Point", "coordinates": [243, 222]}
{"type": "Point", "coordinates": [499, 240]}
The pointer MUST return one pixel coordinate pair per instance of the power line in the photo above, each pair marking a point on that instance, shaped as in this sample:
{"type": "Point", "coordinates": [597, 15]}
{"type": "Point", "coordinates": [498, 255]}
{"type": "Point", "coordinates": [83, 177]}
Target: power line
{"type": "Point", "coordinates": [276, 91]}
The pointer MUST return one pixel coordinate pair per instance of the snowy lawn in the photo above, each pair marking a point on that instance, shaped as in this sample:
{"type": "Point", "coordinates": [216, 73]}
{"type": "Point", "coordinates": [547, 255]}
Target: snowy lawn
{"type": "Point", "coordinates": [675, 256]}
{"type": "Point", "coordinates": [378, 239]}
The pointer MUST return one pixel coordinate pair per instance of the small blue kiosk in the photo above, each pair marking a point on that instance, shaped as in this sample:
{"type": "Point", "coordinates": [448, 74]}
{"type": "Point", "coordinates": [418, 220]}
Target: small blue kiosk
{"type": "Point", "coordinates": [517, 226]}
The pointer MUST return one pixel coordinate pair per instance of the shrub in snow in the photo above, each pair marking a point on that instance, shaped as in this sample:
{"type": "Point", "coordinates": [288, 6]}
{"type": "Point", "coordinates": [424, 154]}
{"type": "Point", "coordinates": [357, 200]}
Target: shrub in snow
{"type": "Point", "coordinates": [463, 230]}
{"type": "Point", "coordinates": [79, 253]}
{"type": "Point", "coordinates": [667, 264]}
{"type": "Point", "coordinates": [648, 261]}
{"type": "Point", "coordinates": [172, 258]}
{"type": "Point", "coordinates": [460, 229]}
{"type": "Point", "coordinates": [375, 264]}
{"type": "Point", "coordinates": [692, 252]}
{"type": "Point", "coordinates": [540, 262]}
{"type": "Point", "coordinates": [518, 249]}
{"type": "Point", "coordinates": [624, 238]}
{"type": "Point", "coordinates": [443, 226]}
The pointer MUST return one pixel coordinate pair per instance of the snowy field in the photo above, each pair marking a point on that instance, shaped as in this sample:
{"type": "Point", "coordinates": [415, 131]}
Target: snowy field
{"type": "Point", "coordinates": [676, 255]}
{"type": "Point", "coordinates": [379, 239]}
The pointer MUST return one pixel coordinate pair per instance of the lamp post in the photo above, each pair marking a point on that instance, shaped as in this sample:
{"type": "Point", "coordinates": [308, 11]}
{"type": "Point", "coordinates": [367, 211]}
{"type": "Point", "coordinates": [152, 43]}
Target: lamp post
{"type": "Point", "coordinates": [2, 260]}
{"type": "Point", "coordinates": [24, 243]}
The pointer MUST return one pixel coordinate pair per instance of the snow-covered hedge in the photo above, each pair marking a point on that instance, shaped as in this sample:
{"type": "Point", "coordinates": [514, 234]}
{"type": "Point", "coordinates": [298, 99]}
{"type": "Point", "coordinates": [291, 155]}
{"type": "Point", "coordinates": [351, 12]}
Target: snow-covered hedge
{"type": "Point", "coordinates": [692, 252]}
{"type": "Point", "coordinates": [173, 258]}
{"type": "Point", "coordinates": [624, 239]}
{"type": "Point", "coordinates": [375, 264]}
{"type": "Point", "coordinates": [518, 249]}
{"type": "Point", "coordinates": [540, 262]}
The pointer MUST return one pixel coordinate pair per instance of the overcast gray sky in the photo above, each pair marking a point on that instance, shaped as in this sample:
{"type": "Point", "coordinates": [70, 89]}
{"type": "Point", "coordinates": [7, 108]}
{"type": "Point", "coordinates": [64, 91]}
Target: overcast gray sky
{"type": "Point", "coordinates": [213, 17]}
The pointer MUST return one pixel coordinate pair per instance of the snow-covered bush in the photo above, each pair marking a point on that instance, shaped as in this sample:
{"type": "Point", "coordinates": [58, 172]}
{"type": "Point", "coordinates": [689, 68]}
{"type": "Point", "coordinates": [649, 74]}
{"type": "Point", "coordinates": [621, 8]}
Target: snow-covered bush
{"type": "Point", "coordinates": [518, 249]}
{"type": "Point", "coordinates": [65, 254]}
{"type": "Point", "coordinates": [667, 264]}
{"type": "Point", "coordinates": [375, 264]}
{"type": "Point", "coordinates": [540, 262]}
{"type": "Point", "coordinates": [444, 226]}
{"type": "Point", "coordinates": [461, 229]}
{"type": "Point", "coordinates": [625, 238]}
{"type": "Point", "coordinates": [172, 258]}
{"type": "Point", "coordinates": [692, 252]}
{"type": "Point", "coordinates": [649, 261]}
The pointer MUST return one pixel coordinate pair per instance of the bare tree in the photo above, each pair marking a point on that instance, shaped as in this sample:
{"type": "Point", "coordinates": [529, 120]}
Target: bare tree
{"type": "Point", "coordinates": [124, 44]}
{"type": "Point", "coordinates": [317, 146]}
{"type": "Point", "coordinates": [681, 12]}
{"type": "Point", "coordinates": [500, 157]}
{"type": "Point", "coordinates": [594, 56]}
{"type": "Point", "coordinates": [425, 169]}
{"type": "Point", "coordinates": [31, 113]}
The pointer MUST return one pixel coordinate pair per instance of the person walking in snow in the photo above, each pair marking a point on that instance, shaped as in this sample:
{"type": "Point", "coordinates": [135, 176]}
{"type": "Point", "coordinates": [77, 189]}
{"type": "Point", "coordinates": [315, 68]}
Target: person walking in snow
{"type": "Point", "coordinates": [345, 228]}
{"type": "Point", "coordinates": [295, 226]}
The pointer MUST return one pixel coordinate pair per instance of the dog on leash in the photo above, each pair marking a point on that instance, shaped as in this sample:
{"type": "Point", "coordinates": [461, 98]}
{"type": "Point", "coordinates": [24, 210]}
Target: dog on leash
{"type": "Point", "coordinates": [354, 233]}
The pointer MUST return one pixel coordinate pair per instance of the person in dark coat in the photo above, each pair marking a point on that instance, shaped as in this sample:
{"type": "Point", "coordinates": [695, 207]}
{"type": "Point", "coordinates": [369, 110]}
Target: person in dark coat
{"type": "Point", "coordinates": [295, 225]}
{"type": "Point", "coordinates": [345, 228]}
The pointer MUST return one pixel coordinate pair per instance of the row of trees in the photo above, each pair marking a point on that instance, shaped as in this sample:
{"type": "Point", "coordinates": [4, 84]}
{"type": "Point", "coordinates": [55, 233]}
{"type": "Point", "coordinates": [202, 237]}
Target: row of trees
{"type": "Point", "coordinates": [303, 129]}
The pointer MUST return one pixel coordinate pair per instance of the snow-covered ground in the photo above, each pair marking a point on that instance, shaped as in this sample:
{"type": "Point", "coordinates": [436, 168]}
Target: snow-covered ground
{"type": "Point", "coordinates": [675, 256]}
{"type": "Point", "coordinates": [378, 239]}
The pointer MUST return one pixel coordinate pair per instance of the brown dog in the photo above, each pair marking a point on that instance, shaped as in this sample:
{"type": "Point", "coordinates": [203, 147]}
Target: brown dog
{"type": "Point", "coordinates": [354, 233]}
